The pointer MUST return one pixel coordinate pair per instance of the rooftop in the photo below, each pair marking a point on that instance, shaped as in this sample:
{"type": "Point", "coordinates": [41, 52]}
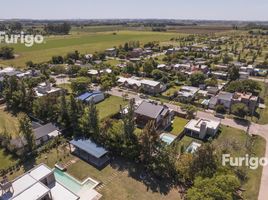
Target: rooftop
{"type": "Point", "coordinates": [195, 124]}
{"type": "Point", "coordinates": [90, 147]}
{"type": "Point", "coordinates": [150, 110]}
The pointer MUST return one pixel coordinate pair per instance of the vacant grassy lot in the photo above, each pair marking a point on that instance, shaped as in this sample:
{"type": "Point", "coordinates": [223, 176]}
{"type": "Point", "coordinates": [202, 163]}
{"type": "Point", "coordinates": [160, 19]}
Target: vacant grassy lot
{"type": "Point", "coordinates": [171, 91]}
{"type": "Point", "coordinates": [110, 106]}
{"type": "Point", "coordinates": [121, 180]}
{"type": "Point", "coordinates": [83, 42]}
{"type": "Point", "coordinates": [235, 141]}
{"type": "Point", "coordinates": [178, 125]}
{"type": "Point", "coordinates": [8, 123]}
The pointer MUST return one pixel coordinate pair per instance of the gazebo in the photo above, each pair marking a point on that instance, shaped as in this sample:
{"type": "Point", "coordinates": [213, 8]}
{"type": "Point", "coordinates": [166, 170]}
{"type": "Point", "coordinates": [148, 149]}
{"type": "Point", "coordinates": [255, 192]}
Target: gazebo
{"type": "Point", "coordinates": [90, 151]}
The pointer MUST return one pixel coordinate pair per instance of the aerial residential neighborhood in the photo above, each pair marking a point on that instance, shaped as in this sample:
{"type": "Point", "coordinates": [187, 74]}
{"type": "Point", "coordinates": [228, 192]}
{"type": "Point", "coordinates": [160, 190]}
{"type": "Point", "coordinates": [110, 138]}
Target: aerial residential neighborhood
{"type": "Point", "coordinates": [100, 100]}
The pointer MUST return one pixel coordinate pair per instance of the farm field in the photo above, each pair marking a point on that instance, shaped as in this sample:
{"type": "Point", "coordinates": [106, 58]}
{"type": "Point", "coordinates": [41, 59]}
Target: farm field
{"type": "Point", "coordinates": [84, 43]}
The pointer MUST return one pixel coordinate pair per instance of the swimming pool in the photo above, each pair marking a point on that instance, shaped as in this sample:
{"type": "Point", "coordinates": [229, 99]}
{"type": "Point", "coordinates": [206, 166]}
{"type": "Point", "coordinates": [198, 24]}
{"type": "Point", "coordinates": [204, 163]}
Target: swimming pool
{"type": "Point", "coordinates": [167, 138]}
{"type": "Point", "coordinates": [71, 183]}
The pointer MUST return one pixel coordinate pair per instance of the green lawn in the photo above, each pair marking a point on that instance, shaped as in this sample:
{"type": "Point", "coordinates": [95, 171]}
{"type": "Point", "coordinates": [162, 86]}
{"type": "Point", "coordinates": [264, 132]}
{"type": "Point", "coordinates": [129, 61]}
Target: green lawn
{"type": "Point", "coordinates": [8, 123]}
{"type": "Point", "coordinates": [171, 91]}
{"type": "Point", "coordinates": [178, 125]}
{"type": "Point", "coordinates": [263, 118]}
{"type": "Point", "coordinates": [110, 106]}
{"type": "Point", "coordinates": [66, 86]}
{"type": "Point", "coordinates": [235, 141]}
{"type": "Point", "coordinates": [6, 160]}
{"type": "Point", "coordinates": [83, 42]}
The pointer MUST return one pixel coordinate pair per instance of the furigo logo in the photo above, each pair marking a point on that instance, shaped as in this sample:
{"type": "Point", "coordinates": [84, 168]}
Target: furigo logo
{"type": "Point", "coordinates": [27, 40]}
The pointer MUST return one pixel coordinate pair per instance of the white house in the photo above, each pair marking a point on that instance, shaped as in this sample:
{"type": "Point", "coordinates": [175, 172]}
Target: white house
{"type": "Point", "coordinates": [202, 128]}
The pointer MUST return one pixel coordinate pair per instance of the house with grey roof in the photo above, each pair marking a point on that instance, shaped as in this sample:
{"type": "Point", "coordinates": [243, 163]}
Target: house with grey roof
{"type": "Point", "coordinates": [223, 98]}
{"type": "Point", "coordinates": [149, 111]}
{"type": "Point", "coordinates": [44, 133]}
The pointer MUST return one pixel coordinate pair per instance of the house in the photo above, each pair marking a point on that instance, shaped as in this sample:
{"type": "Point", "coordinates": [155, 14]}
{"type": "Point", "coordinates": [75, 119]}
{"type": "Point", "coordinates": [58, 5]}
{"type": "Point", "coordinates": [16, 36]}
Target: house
{"type": "Point", "coordinates": [248, 99]}
{"type": "Point", "coordinates": [132, 83]}
{"type": "Point", "coordinates": [45, 88]}
{"type": "Point", "coordinates": [95, 96]}
{"type": "Point", "coordinates": [8, 71]}
{"type": "Point", "coordinates": [90, 151]}
{"type": "Point", "coordinates": [187, 93]}
{"type": "Point", "coordinates": [135, 83]}
{"type": "Point", "coordinates": [43, 133]}
{"type": "Point", "coordinates": [43, 183]}
{"type": "Point", "coordinates": [111, 52]}
{"type": "Point", "coordinates": [243, 75]}
{"type": "Point", "coordinates": [152, 87]}
{"type": "Point", "coordinates": [202, 128]}
{"type": "Point", "coordinates": [213, 102]}
{"type": "Point", "coordinates": [220, 74]}
{"type": "Point", "coordinates": [136, 53]}
{"type": "Point", "coordinates": [148, 111]}
{"type": "Point", "coordinates": [225, 98]}
{"type": "Point", "coordinates": [212, 91]}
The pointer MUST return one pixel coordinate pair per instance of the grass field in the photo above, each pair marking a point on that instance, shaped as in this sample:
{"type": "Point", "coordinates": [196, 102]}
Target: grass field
{"type": "Point", "coordinates": [110, 106]}
{"type": "Point", "coordinates": [235, 141]}
{"type": "Point", "coordinates": [263, 118]}
{"type": "Point", "coordinates": [83, 42]}
{"type": "Point", "coordinates": [8, 123]}
{"type": "Point", "coordinates": [178, 125]}
{"type": "Point", "coordinates": [6, 159]}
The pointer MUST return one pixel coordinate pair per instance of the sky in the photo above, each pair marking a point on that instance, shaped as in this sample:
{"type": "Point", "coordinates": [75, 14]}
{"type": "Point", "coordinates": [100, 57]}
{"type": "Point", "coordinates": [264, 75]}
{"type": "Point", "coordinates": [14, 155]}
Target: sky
{"type": "Point", "coordinates": [135, 9]}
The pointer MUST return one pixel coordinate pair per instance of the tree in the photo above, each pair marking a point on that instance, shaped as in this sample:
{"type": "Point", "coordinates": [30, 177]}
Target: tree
{"type": "Point", "coordinates": [130, 139]}
{"type": "Point", "coordinates": [7, 52]}
{"type": "Point", "coordinates": [221, 186]}
{"type": "Point", "coordinates": [190, 110]}
{"type": "Point", "coordinates": [63, 116]}
{"type": "Point", "coordinates": [197, 78]}
{"type": "Point", "coordinates": [233, 73]}
{"type": "Point", "coordinates": [220, 109]}
{"type": "Point", "coordinates": [26, 131]}
{"type": "Point", "coordinates": [205, 162]}
{"type": "Point", "coordinates": [80, 85]}
{"type": "Point", "coordinates": [239, 109]}
{"type": "Point", "coordinates": [212, 81]}
{"type": "Point", "coordinates": [149, 141]}
{"type": "Point", "coordinates": [89, 122]}
{"type": "Point", "coordinates": [74, 111]}
{"type": "Point", "coordinates": [129, 121]}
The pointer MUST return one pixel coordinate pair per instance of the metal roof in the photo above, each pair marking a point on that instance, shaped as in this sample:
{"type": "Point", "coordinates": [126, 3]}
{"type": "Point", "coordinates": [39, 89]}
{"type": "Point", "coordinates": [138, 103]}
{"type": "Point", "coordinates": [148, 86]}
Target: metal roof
{"type": "Point", "coordinates": [149, 109]}
{"type": "Point", "coordinates": [90, 147]}
{"type": "Point", "coordinates": [44, 130]}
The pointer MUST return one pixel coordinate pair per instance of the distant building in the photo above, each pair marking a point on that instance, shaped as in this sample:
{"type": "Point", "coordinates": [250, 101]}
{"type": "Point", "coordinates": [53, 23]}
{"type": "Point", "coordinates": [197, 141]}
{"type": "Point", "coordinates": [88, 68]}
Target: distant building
{"type": "Point", "coordinates": [202, 128]}
{"type": "Point", "coordinates": [148, 86]}
{"type": "Point", "coordinates": [187, 93]}
{"type": "Point", "coordinates": [111, 52]}
{"type": "Point", "coordinates": [45, 88]}
{"type": "Point", "coordinates": [95, 96]}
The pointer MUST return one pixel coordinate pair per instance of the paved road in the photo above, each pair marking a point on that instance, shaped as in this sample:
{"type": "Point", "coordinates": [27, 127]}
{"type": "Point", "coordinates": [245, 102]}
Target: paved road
{"type": "Point", "coordinates": [256, 129]}
{"type": "Point", "coordinates": [259, 79]}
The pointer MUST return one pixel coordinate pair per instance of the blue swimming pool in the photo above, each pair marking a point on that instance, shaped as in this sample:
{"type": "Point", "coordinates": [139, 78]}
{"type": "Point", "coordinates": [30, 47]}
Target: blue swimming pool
{"type": "Point", "coordinates": [71, 183]}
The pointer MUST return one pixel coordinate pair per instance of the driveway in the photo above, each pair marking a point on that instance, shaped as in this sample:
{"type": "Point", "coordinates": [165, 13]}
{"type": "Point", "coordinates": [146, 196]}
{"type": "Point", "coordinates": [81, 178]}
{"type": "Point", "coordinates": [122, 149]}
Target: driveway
{"type": "Point", "coordinates": [257, 129]}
